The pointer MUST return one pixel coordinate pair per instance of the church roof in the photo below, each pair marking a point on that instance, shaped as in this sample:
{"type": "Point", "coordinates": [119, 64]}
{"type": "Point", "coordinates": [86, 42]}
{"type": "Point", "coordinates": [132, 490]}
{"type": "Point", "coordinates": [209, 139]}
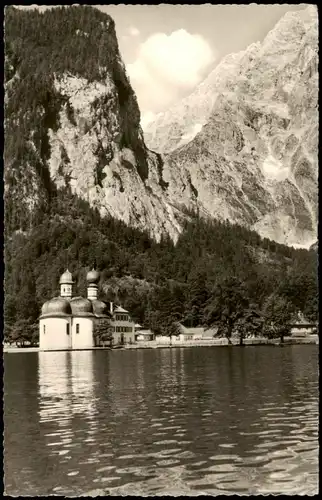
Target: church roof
{"type": "Point", "coordinates": [93, 277]}
{"type": "Point", "coordinates": [77, 306]}
{"type": "Point", "coordinates": [81, 306]}
{"type": "Point", "coordinates": [57, 306]}
{"type": "Point", "coordinates": [101, 309]}
{"type": "Point", "coordinates": [66, 278]}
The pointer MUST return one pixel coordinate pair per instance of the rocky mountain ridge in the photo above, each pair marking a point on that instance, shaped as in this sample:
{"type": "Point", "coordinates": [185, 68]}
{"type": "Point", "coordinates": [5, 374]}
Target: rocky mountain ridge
{"type": "Point", "coordinates": [243, 145]}
{"type": "Point", "coordinates": [72, 120]}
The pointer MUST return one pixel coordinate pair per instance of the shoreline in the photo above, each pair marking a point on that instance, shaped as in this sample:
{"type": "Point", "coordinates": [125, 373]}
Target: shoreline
{"type": "Point", "coordinates": [309, 340]}
{"type": "Point", "coordinates": [152, 344]}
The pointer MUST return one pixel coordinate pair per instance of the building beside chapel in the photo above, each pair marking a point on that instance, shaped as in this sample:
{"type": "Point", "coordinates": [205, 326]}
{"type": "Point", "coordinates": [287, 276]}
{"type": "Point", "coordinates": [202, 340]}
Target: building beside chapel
{"type": "Point", "coordinates": [68, 322]}
{"type": "Point", "coordinates": [123, 328]}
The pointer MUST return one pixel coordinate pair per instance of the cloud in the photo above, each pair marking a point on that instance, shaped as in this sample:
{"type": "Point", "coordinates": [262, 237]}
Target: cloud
{"type": "Point", "coordinates": [167, 66]}
{"type": "Point", "coordinates": [178, 58]}
{"type": "Point", "coordinates": [133, 31]}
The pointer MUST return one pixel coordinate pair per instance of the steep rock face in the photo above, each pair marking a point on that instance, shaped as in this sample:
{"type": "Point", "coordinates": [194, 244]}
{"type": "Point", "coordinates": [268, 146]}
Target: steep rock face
{"type": "Point", "coordinates": [244, 145]}
{"type": "Point", "coordinates": [91, 154]}
{"type": "Point", "coordinates": [72, 119]}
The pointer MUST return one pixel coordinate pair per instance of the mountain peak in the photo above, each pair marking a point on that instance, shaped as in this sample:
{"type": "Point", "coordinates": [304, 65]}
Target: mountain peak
{"type": "Point", "coordinates": [246, 138]}
{"type": "Point", "coordinates": [242, 146]}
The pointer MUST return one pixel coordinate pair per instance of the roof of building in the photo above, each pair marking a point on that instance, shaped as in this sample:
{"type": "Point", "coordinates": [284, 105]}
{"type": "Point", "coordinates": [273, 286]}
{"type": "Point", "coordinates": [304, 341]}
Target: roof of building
{"type": "Point", "coordinates": [57, 306]}
{"type": "Point", "coordinates": [195, 331]}
{"type": "Point", "coordinates": [199, 330]}
{"type": "Point", "coordinates": [81, 306]}
{"type": "Point", "coordinates": [101, 309]}
{"type": "Point", "coordinates": [77, 306]}
{"type": "Point", "coordinates": [144, 332]}
{"type": "Point", "coordinates": [66, 278]}
{"type": "Point", "coordinates": [210, 332]}
{"type": "Point", "coordinates": [120, 309]}
{"type": "Point", "coordinates": [93, 277]}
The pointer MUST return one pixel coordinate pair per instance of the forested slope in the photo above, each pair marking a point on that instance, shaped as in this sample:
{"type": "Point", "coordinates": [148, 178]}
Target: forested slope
{"type": "Point", "coordinates": [160, 283]}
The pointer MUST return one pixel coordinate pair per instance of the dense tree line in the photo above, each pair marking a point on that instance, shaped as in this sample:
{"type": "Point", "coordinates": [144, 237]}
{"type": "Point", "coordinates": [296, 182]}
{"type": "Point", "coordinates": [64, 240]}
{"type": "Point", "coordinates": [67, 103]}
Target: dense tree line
{"type": "Point", "coordinates": [216, 274]}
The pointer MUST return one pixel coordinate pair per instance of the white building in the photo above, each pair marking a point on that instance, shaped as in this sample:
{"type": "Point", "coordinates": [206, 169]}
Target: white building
{"type": "Point", "coordinates": [68, 322]}
{"type": "Point", "coordinates": [187, 334]}
{"type": "Point", "coordinates": [190, 333]}
{"type": "Point", "coordinates": [123, 326]}
{"type": "Point", "coordinates": [301, 327]}
{"type": "Point", "coordinates": [143, 335]}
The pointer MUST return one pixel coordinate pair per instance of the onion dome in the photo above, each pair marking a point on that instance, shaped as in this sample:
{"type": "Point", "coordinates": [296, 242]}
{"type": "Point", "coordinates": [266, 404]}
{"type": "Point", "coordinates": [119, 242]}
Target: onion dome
{"type": "Point", "coordinates": [101, 309]}
{"type": "Point", "coordinates": [93, 277]}
{"type": "Point", "coordinates": [66, 278]}
{"type": "Point", "coordinates": [56, 307]}
{"type": "Point", "coordinates": [81, 307]}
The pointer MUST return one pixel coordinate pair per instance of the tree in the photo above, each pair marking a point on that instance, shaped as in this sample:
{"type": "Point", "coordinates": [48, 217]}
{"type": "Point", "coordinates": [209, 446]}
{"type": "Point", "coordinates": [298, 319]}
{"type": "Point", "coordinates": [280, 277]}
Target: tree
{"type": "Point", "coordinates": [278, 312]}
{"type": "Point", "coordinates": [197, 298]}
{"type": "Point", "coordinates": [165, 306]}
{"type": "Point", "coordinates": [23, 332]}
{"type": "Point", "coordinates": [226, 306]}
{"type": "Point", "coordinates": [251, 322]}
{"type": "Point", "coordinates": [103, 331]}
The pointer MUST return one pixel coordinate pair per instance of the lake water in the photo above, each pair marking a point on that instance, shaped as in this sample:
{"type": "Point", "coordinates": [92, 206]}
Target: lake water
{"type": "Point", "coordinates": [180, 421]}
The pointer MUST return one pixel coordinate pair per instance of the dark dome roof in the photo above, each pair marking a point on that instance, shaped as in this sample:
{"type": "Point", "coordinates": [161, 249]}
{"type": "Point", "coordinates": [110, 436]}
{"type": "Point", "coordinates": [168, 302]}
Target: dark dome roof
{"type": "Point", "coordinates": [93, 277]}
{"type": "Point", "coordinates": [56, 307]}
{"type": "Point", "coordinates": [100, 308]}
{"type": "Point", "coordinates": [66, 278]}
{"type": "Point", "coordinates": [81, 306]}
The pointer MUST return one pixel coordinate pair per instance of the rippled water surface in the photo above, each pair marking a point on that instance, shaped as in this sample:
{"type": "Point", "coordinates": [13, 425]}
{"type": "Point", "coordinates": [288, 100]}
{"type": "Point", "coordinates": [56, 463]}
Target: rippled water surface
{"type": "Point", "coordinates": [181, 421]}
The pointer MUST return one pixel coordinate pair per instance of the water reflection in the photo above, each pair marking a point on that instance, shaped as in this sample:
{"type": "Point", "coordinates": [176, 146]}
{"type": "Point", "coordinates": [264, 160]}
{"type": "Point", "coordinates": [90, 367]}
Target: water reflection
{"type": "Point", "coordinates": [67, 411]}
{"type": "Point", "coordinates": [167, 421]}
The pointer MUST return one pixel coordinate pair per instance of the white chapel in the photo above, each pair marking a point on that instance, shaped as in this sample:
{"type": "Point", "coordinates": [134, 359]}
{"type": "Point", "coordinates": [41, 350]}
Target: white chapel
{"type": "Point", "coordinates": [67, 322]}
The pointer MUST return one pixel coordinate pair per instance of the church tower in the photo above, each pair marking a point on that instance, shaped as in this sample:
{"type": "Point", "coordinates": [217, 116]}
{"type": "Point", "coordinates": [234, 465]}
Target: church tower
{"type": "Point", "coordinates": [66, 285]}
{"type": "Point", "coordinates": [92, 279]}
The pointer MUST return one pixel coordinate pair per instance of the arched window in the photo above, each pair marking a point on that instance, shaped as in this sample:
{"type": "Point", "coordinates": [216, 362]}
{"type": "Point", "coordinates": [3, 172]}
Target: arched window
{"type": "Point", "coordinates": [67, 329]}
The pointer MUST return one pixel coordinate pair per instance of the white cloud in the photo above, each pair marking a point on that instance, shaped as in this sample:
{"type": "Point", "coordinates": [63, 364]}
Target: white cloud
{"type": "Point", "coordinates": [178, 57]}
{"type": "Point", "coordinates": [133, 31]}
{"type": "Point", "coordinates": [167, 65]}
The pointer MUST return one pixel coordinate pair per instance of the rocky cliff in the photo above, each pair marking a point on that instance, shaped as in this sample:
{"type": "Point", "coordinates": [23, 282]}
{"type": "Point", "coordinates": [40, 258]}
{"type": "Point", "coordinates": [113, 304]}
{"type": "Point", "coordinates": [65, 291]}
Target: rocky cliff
{"type": "Point", "coordinates": [243, 145]}
{"type": "Point", "coordinates": [72, 120]}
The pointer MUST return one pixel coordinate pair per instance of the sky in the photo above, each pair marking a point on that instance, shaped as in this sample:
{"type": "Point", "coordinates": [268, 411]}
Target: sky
{"type": "Point", "coordinates": [169, 49]}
